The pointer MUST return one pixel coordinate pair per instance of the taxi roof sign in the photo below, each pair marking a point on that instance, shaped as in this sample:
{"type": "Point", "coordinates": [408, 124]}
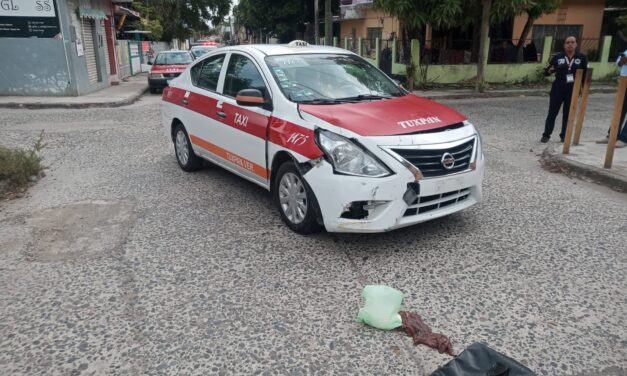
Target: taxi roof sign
{"type": "Point", "coordinates": [298, 43]}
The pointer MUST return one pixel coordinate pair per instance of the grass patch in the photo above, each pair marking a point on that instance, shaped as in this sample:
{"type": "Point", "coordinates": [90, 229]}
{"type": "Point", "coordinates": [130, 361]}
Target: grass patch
{"type": "Point", "coordinates": [19, 167]}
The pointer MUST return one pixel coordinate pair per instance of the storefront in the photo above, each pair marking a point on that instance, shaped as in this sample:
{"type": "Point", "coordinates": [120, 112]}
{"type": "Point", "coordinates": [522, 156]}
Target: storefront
{"type": "Point", "coordinates": [56, 47]}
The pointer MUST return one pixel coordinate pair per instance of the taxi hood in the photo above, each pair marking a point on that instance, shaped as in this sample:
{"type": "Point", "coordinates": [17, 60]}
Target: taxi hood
{"type": "Point", "coordinates": [386, 117]}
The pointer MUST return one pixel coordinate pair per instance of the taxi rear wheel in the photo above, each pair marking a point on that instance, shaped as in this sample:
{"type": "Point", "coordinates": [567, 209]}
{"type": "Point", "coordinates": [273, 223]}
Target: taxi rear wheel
{"type": "Point", "coordinates": [296, 202]}
{"type": "Point", "coordinates": [188, 161]}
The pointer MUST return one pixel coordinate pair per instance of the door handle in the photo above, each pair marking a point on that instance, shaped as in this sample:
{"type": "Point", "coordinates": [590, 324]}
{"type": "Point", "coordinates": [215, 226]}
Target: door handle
{"type": "Point", "coordinates": [184, 101]}
{"type": "Point", "coordinates": [221, 114]}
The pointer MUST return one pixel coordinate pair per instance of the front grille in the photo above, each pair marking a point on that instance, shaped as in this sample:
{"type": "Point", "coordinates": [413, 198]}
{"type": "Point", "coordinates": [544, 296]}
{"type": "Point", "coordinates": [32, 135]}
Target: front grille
{"type": "Point", "coordinates": [426, 204]}
{"type": "Point", "coordinates": [429, 161]}
{"type": "Point", "coordinates": [171, 75]}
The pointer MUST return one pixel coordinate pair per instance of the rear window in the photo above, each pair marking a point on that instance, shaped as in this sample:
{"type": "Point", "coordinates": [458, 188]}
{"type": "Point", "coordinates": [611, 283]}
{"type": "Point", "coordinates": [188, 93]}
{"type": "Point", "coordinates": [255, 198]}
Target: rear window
{"type": "Point", "coordinates": [174, 58]}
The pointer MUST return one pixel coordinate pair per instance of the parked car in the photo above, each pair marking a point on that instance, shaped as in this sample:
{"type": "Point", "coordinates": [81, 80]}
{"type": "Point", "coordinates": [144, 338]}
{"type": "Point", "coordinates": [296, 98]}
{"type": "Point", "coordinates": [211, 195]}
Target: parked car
{"type": "Point", "coordinates": [200, 50]}
{"type": "Point", "coordinates": [336, 141]}
{"type": "Point", "coordinates": [166, 66]}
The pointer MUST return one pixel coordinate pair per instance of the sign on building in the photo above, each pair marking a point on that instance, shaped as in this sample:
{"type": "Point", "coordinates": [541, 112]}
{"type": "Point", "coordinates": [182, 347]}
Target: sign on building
{"type": "Point", "coordinates": [352, 9]}
{"type": "Point", "coordinates": [28, 19]}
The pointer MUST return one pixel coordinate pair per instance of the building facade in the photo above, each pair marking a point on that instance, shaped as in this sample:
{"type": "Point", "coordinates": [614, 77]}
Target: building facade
{"type": "Point", "coordinates": [582, 18]}
{"type": "Point", "coordinates": [56, 47]}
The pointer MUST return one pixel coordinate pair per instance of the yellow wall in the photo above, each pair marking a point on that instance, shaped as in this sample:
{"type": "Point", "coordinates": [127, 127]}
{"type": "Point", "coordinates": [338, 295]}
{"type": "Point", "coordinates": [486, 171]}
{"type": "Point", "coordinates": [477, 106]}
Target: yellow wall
{"type": "Point", "coordinates": [588, 13]}
{"type": "Point", "coordinates": [371, 18]}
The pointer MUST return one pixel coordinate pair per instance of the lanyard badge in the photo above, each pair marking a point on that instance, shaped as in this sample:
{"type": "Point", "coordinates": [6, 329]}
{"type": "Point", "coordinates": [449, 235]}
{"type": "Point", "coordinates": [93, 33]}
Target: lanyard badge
{"type": "Point", "coordinates": [570, 78]}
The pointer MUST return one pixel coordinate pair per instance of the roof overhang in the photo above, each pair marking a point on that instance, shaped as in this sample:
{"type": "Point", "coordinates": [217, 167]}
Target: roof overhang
{"type": "Point", "coordinates": [120, 10]}
{"type": "Point", "coordinates": [96, 14]}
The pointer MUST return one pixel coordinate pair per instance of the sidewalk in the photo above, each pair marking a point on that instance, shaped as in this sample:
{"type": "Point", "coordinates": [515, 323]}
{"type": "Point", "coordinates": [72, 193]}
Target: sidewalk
{"type": "Point", "coordinates": [114, 96]}
{"type": "Point", "coordinates": [498, 93]}
{"type": "Point", "coordinates": [586, 161]}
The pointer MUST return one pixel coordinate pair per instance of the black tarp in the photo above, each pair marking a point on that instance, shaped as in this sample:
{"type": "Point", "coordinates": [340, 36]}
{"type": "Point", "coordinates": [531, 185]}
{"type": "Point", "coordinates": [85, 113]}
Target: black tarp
{"type": "Point", "coordinates": [480, 360]}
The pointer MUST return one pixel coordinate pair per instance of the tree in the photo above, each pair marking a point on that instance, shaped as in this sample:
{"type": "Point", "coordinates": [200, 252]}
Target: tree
{"type": "Point", "coordinates": [533, 8]}
{"type": "Point", "coordinates": [486, 6]}
{"type": "Point", "coordinates": [328, 23]}
{"type": "Point", "coordinates": [180, 18]}
{"type": "Point", "coordinates": [414, 15]}
{"type": "Point", "coordinates": [440, 14]}
{"type": "Point", "coordinates": [149, 21]}
{"type": "Point", "coordinates": [278, 18]}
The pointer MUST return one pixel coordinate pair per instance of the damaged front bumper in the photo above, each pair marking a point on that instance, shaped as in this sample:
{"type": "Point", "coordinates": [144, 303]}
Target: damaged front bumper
{"type": "Point", "coordinates": [360, 204]}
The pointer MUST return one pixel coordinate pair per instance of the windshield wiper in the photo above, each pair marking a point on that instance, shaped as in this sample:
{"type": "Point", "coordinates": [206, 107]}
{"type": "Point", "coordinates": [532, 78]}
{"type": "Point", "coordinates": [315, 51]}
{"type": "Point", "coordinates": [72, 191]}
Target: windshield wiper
{"type": "Point", "coordinates": [326, 101]}
{"type": "Point", "coordinates": [362, 97]}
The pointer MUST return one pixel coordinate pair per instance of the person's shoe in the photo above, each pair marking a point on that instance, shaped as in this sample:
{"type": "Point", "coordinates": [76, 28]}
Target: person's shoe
{"type": "Point", "coordinates": [603, 141]}
{"type": "Point", "coordinates": [561, 139]}
{"type": "Point", "coordinates": [544, 139]}
{"type": "Point", "coordinates": [619, 144]}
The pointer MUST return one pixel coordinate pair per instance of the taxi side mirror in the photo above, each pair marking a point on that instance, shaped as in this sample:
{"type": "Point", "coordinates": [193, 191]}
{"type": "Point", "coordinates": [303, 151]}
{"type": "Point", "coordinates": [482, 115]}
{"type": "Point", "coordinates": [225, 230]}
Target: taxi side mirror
{"type": "Point", "coordinates": [250, 97]}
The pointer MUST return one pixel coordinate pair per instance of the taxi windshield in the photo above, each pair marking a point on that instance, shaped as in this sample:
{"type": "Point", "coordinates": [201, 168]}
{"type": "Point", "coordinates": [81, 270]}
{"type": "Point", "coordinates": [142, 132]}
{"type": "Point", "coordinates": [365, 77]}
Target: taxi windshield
{"type": "Point", "coordinates": [330, 78]}
{"type": "Point", "coordinates": [174, 58]}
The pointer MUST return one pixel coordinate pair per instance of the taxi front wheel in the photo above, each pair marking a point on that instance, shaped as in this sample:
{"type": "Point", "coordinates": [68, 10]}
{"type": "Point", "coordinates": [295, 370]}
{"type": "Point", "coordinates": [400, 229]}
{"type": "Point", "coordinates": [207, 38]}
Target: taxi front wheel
{"type": "Point", "coordinates": [188, 161]}
{"type": "Point", "coordinates": [295, 200]}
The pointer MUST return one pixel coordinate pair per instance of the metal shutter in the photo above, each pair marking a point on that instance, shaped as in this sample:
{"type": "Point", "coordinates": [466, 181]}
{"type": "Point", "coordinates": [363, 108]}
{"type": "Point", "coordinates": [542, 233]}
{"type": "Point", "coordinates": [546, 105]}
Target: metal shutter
{"type": "Point", "coordinates": [90, 52]}
{"type": "Point", "coordinates": [106, 53]}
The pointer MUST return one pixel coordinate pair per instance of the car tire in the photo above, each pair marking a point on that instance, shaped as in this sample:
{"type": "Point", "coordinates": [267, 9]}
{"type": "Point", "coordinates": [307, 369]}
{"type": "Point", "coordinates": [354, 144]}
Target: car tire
{"type": "Point", "coordinates": [295, 200]}
{"type": "Point", "coordinates": [187, 160]}
{"type": "Point", "coordinates": [154, 90]}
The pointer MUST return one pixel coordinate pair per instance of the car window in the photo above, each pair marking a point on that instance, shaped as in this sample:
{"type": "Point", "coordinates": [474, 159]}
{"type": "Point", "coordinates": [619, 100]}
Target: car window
{"type": "Point", "coordinates": [174, 58]}
{"type": "Point", "coordinates": [207, 73]}
{"type": "Point", "coordinates": [307, 77]}
{"type": "Point", "coordinates": [242, 74]}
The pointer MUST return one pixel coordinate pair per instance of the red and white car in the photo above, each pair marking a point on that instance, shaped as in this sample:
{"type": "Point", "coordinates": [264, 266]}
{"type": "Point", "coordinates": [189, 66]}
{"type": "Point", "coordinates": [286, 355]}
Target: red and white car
{"type": "Point", "coordinates": [166, 66]}
{"type": "Point", "coordinates": [336, 141]}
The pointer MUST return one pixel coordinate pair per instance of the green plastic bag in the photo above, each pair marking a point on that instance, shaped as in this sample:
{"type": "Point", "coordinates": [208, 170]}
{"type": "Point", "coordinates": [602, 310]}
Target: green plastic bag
{"type": "Point", "coordinates": [381, 307]}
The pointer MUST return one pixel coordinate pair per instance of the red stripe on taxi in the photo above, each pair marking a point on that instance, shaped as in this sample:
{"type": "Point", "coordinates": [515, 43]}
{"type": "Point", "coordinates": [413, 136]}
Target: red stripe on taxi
{"type": "Point", "coordinates": [294, 137]}
{"type": "Point", "coordinates": [282, 132]}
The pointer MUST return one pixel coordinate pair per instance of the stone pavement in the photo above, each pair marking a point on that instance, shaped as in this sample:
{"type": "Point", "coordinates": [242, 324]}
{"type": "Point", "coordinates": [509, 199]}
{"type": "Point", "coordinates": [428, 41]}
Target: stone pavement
{"type": "Point", "coordinates": [123, 94]}
{"type": "Point", "coordinates": [586, 161]}
{"type": "Point", "coordinates": [444, 93]}
{"type": "Point", "coordinates": [195, 274]}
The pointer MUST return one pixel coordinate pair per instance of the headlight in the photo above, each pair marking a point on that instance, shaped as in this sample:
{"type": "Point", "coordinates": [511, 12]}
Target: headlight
{"type": "Point", "coordinates": [349, 158]}
{"type": "Point", "coordinates": [156, 75]}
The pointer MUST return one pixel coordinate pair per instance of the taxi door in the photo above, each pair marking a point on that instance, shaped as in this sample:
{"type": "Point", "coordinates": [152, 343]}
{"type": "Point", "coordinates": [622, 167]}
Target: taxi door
{"type": "Point", "coordinates": [200, 100]}
{"type": "Point", "coordinates": [241, 140]}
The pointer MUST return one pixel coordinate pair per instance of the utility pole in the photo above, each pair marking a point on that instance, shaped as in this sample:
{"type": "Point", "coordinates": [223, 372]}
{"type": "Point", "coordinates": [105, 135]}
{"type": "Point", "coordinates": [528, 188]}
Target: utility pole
{"type": "Point", "coordinates": [328, 23]}
{"type": "Point", "coordinates": [316, 23]}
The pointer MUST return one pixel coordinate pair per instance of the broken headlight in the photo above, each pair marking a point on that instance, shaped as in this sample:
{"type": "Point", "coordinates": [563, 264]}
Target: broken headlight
{"type": "Point", "coordinates": [348, 158]}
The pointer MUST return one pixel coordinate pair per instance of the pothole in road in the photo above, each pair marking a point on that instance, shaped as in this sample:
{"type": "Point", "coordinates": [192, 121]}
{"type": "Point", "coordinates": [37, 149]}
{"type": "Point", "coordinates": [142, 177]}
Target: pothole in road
{"type": "Point", "coordinates": [80, 230]}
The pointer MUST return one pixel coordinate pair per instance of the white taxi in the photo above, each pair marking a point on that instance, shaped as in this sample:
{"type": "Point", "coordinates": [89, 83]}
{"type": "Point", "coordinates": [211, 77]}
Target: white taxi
{"type": "Point", "coordinates": [337, 142]}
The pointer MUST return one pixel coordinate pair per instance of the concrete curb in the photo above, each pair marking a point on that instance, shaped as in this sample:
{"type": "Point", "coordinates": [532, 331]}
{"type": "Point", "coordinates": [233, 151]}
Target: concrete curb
{"type": "Point", "coordinates": [504, 94]}
{"type": "Point", "coordinates": [555, 161]}
{"type": "Point", "coordinates": [68, 105]}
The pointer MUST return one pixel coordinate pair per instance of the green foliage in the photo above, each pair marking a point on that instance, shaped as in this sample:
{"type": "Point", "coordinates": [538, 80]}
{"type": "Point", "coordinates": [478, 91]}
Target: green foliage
{"type": "Point", "coordinates": [18, 165]}
{"type": "Point", "coordinates": [621, 21]}
{"type": "Point", "coordinates": [155, 28]}
{"type": "Point", "coordinates": [272, 17]}
{"type": "Point", "coordinates": [452, 13]}
{"type": "Point", "coordinates": [180, 19]}
{"type": "Point", "coordinates": [437, 13]}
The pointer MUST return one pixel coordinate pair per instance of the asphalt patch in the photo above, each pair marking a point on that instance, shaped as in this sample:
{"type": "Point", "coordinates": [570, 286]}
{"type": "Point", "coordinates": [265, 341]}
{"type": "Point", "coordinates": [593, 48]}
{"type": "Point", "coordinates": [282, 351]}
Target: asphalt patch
{"type": "Point", "coordinates": [80, 230]}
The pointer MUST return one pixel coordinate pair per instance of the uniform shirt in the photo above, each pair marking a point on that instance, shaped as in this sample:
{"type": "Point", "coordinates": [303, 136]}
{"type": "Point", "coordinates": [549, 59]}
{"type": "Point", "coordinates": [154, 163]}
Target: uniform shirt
{"type": "Point", "coordinates": [623, 69]}
{"type": "Point", "coordinates": [565, 66]}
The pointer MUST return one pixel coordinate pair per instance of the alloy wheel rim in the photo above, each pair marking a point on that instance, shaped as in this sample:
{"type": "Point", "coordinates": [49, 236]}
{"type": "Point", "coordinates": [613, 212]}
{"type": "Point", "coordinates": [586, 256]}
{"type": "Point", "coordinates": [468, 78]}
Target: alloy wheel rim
{"type": "Point", "coordinates": [182, 151]}
{"type": "Point", "coordinates": [293, 198]}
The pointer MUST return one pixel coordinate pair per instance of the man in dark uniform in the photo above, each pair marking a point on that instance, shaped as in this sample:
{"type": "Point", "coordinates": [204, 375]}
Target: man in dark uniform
{"type": "Point", "coordinates": [564, 65]}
